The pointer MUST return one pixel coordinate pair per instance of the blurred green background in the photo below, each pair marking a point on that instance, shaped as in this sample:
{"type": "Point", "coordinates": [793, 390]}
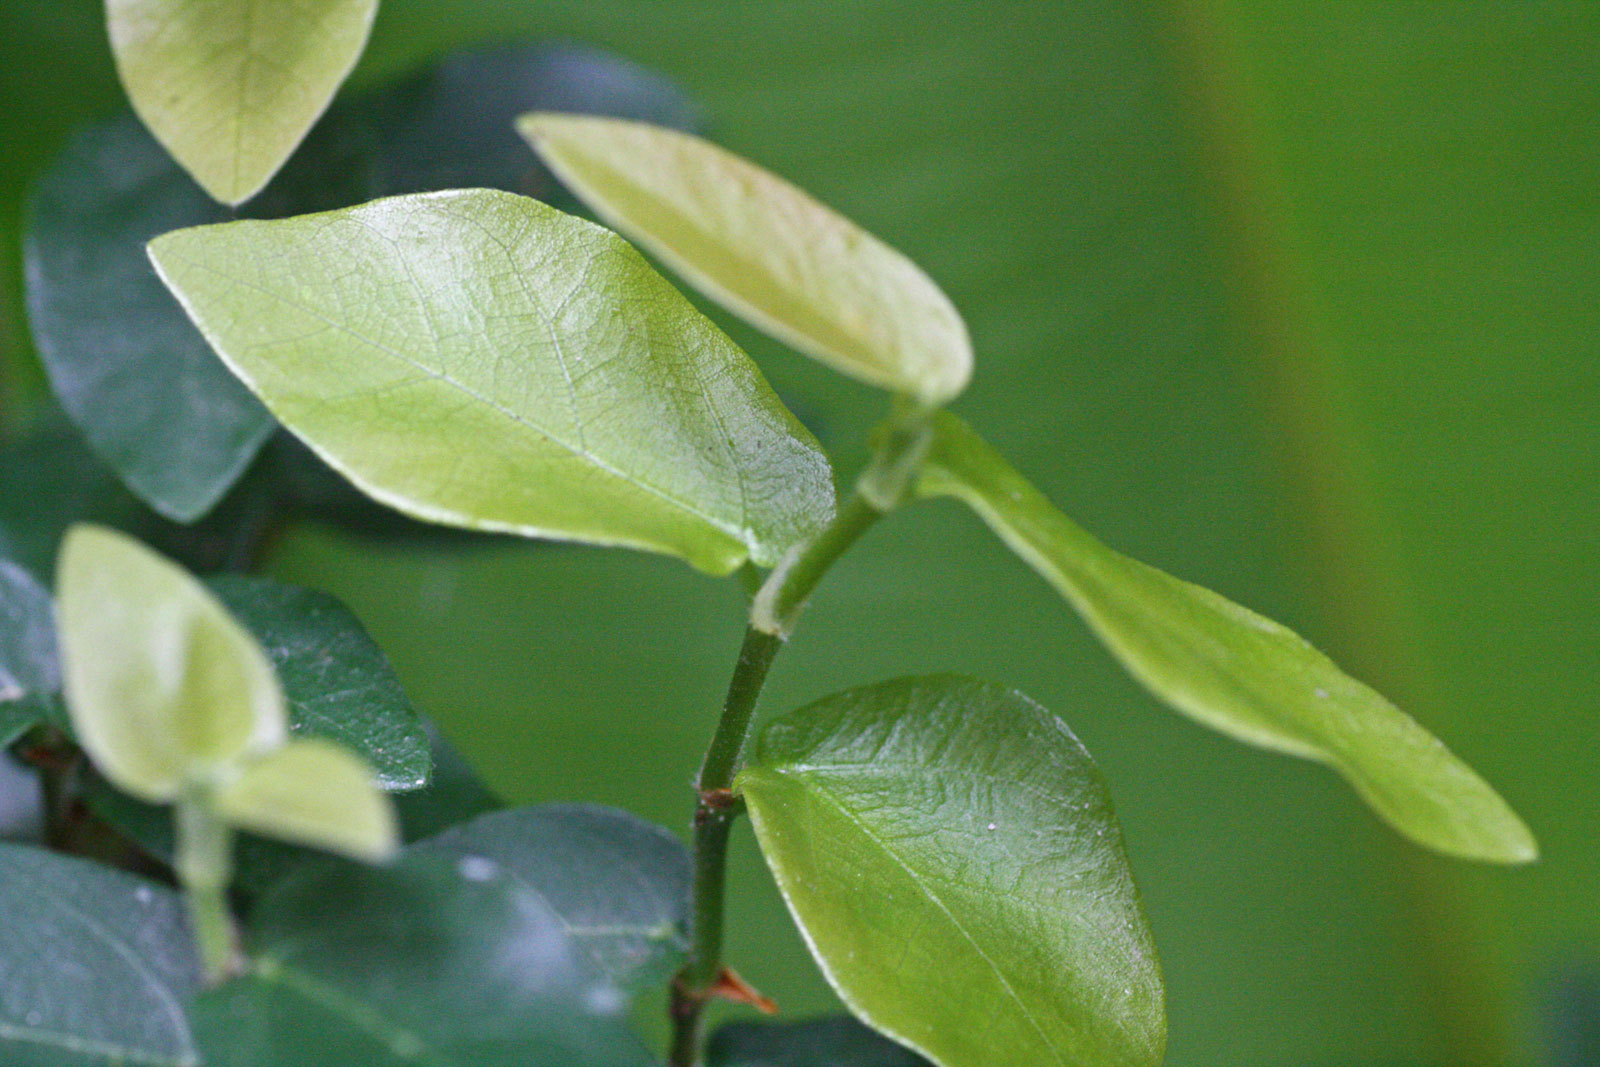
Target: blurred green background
{"type": "Point", "coordinates": [1298, 301]}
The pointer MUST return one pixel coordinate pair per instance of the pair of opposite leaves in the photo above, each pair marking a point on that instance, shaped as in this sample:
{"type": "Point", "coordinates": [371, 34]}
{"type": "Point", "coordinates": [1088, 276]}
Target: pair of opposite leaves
{"type": "Point", "coordinates": [483, 360]}
{"type": "Point", "coordinates": [175, 702]}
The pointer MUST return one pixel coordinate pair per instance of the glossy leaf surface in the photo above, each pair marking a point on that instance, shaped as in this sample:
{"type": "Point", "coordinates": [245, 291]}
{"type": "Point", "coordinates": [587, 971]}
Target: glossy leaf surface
{"type": "Point", "coordinates": [96, 966]}
{"type": "Point", "coordinates": [162, 684]}
{"type": "Point", "coordinates": [231, 87]}
{"type": "Point", "coordinates": [482, 360]}
{"type": "Point", "coordinates": [839, 1042]}
{"type": "Point", "coordinates": [768, 251]}
{"type": "Point", "coordinates": [337, 681]}
{"type": "Point", "coordinates": [313, 792]}
{"type": "Point", "coordinates": [620, 885]}
{"type": "Point", "coordinates": [1231, 669]}
{"type": "Point", "coordinates": [450, 964]}
{"type": "Point", "coordinates": [28, 663]}
{"type": "Point", "coordinates": [951, 854]}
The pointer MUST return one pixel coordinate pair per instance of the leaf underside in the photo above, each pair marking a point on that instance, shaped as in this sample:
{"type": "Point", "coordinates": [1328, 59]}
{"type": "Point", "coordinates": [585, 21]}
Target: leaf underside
{"type": "Point", "coordinates": [1231, 669]}
{"type": "Point", "coordinates": [231, 87]}
{"type": "Point", "coordinates": [764, 249]}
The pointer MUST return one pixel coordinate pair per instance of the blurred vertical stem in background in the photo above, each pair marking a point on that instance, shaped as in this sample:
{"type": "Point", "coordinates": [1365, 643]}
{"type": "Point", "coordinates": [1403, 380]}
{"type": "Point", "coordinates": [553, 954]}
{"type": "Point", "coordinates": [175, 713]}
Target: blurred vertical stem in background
{"type": "Point", "coordinates": [1308, 414]}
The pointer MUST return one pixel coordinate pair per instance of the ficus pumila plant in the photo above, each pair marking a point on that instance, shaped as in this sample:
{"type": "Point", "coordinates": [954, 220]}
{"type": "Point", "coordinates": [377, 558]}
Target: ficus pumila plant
{"type": "Point", "coordinates": [332, 886]}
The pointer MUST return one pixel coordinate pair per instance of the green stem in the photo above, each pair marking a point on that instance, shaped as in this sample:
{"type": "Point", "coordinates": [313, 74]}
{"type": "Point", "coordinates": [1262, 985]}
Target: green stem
{"type": "Point", "coordinates": [774, 610]}
{"type": "Point", "coordinates": [778, 603]}
{"type": "Point", "coordinates": [205, 867]}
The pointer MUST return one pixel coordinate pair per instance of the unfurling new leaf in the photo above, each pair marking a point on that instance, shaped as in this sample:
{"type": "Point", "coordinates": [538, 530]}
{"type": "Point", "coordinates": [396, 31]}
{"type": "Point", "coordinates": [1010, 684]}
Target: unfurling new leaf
{"type": "Point", "coordinates": [951, 854]}
{"type": "Point", "coordinates": [764, 249]}
{"type": "Point", "coordinates": [165, 689]}
{"type": "Point", "coordinates": [175, 701]}
{"type": "Point", "coordinates": [479, 359]}
{"type": "Point", "coordinates": [1231, 669]}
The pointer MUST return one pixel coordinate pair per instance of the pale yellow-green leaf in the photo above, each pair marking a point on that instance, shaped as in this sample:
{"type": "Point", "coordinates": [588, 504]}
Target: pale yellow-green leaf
{"type": "Point", "coordinates": [163, 686]}
{"type": "Point", "coordinates": [764, 249]}
{"type": "Point", "coordinates": [230, 87]}
{"type": "Point", "coordinates": [313, 792]}
{"type": "Point", "coordinates": [480, 359]}
{"type": "Point", "coordinates": [1231, 669]}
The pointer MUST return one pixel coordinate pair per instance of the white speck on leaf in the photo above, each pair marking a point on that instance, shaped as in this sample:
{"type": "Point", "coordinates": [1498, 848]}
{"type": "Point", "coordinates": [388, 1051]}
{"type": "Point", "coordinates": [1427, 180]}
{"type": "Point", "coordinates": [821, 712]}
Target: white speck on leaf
{"type": "Point", "coordinates": [477, 868]}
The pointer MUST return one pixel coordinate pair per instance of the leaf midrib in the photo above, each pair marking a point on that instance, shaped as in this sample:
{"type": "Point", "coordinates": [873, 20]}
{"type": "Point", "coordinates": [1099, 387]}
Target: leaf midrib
{"type": "Point", "coordinates": [938, 903]}
{"type": "Point", "coordinates": [445, 379]}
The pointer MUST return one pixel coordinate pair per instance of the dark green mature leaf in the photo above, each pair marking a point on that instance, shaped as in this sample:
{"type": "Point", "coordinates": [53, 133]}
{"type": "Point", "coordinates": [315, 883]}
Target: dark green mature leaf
{"type": "Point", "coordinates": [28, 661]}
{"type": "Point", "coordinates": [620, 885]}
{"type": "Point", "coordinates": [95, 965]}
{"type": "Point", "coordinates": [230, 87]}
{"type": "Point", "coordinates": [338, 682]}
{"type": "Point", "coordinates": [1231, 669]}
{"type": "Point", "coordinates": [129, 369]}
{"type": "Point", "coordinates": [765, 250]}
{"type": "Point", "coordinates": [840, 1042]}
{"type": "Point", "coordinates": [450, 964]}
{"type": "Point", "coordinates": [951, 853]}
{"type": "Point", "coordinates": [452, 126]}
{"type": "Point", "coordinates": [482, 360]}
{"type": "Point", "coordinates": [48, 481]}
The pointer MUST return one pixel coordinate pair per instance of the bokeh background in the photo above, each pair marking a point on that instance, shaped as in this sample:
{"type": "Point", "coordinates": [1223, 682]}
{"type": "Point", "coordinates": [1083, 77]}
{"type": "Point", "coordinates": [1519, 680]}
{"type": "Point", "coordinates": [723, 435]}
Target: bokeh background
{"type": "Point", "coordinates": [1299, 301]}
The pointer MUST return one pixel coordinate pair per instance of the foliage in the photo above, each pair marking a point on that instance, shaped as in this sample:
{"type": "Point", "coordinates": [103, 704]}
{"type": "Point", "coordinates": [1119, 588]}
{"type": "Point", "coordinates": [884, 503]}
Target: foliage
{"type": "Point", "coordinates": [479, 359]}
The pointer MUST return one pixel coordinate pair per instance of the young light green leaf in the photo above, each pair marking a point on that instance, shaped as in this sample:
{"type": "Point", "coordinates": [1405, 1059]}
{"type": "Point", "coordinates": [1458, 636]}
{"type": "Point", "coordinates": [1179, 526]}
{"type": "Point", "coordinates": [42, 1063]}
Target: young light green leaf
{"type": "Point", "coordinates": [97, 964]}
{"type": "Point", "coordinates": [950, 852]}
{"type": "Point", "coordinates": [163, 686]}
{"type": "Point", "coordinates": [764, 249]}
{"type": "Point", "coordinates": [313, 792]}
{"type": "Point", "coordinates": [337, 681]}
{"type": "Point", "coordinates": [619, 884]}
{"type": "Point", "coordinates": [479, 359]}
{"type": "Point", "coordinates": [427, 961]}
{"type": "Point", "coordinates": [231, 87]}
{"type": "Point", "coordinates": [1231, 669]}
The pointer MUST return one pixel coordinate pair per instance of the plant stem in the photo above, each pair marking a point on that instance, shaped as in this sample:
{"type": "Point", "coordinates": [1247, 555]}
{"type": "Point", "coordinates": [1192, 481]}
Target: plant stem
{"type": "Point", "coordinates": [205, 867]}
{"type": "Point", "coordinates": [774, 610]}
{"type": "Point", "coordinates": [785, 594]}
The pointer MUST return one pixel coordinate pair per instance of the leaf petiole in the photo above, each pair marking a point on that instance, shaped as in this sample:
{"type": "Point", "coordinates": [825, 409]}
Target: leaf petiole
{"type": "Point", "coordinates": [205, 867]}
